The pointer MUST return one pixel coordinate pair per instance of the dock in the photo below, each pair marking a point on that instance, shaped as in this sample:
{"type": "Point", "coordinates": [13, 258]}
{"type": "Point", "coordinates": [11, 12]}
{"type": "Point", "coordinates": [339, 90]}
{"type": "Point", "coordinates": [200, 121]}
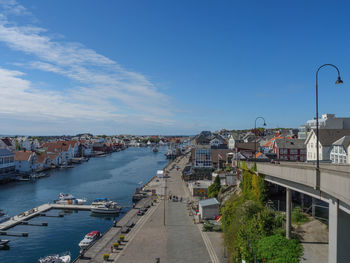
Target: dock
{"type": "Point", "coordinates": [102, 246]}
{"type": "Point", "coordinates": [39, 211]}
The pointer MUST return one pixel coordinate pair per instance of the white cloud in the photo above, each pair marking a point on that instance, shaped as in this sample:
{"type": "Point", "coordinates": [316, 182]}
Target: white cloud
{"type": "Point", "coordinates": [104, 89]}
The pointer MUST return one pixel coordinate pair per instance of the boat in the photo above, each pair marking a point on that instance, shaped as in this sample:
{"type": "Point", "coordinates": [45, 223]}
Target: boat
{"type": "Point", "coordinates": [89, 239]}
{"type": "Point", "coordinates": [64, 258]}
{"type": "Point", "coordinates": [100, 201]}
{"type": "Point", "coordinates": [4, 242]}
{"type": "Point", "coordinates": [107, 208]}
{"type": "Point", "coordinates": [155, 149]}
{"type": "Point", "coordinates": [3, 216]}
{"type": "Point", "coordinates": [68, 199]}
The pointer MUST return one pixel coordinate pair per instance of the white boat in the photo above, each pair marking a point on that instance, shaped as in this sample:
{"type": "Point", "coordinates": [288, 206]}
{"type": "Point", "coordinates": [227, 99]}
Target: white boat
{"type": "Point", "coordinates": [100, 201]}
{"type": "Point", "coordinates": [107, 208]}
{"type": "Point", "coordinates": [64, 258]}
{"type": "Point", "coordinates": [89, 239]}
{"type": "Point", "coordinates": [68, 199]}
{"type": "Point", "coordinates": [3, 216]}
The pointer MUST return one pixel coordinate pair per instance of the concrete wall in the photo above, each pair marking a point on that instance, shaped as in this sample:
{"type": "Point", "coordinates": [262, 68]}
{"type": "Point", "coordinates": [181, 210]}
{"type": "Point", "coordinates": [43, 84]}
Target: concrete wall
{"type": "Point", "coordinates": [302, 175]}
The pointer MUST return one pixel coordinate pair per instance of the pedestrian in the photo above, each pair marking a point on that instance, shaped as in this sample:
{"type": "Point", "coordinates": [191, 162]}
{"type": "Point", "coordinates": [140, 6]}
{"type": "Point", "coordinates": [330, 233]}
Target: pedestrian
{"type": "Point", "coordinates": [111, 249]}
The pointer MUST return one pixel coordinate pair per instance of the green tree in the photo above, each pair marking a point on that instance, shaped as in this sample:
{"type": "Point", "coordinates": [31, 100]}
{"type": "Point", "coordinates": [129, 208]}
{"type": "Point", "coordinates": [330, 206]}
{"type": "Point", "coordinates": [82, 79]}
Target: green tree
{"type": "Point", "coordinates": [214, 188]}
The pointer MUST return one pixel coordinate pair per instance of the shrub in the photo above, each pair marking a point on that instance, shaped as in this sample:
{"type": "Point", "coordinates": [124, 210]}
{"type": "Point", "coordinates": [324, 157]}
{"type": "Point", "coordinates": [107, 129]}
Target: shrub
{"type": "Point", "coordinates": [298, 216]}
{"type": "Point", "coordinates": [105, 256]}
{"type": "Point", "coordinates": [116, 245]}
{"type": "Point", "coordinates": [278, 249]}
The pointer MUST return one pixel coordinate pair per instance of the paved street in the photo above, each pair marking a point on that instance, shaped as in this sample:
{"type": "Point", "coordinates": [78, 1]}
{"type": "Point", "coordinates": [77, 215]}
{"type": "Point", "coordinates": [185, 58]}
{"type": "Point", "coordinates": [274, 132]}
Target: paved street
{"type": "Point", "coordinates": [180, 241]}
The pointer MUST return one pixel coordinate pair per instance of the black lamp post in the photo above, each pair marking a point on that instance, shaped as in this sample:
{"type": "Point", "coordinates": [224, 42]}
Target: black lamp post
{"type": "Point", "coordinates": [339, 81]}
{"type": "Point", "coordinates": [255, 132]}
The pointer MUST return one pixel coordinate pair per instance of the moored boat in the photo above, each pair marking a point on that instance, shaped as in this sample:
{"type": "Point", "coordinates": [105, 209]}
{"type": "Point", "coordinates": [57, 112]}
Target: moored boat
{"type": "Point", "coordinates": [89, 239]}
{"type": "Point", "coordinates": [155, 149]}
{"type": "Point", "coordinates": [100, 201]}
{"type": "Point", "coordinates": [107, 208]}
{"type": "Point", "coordinates": [68, 199]}
{"type": "Point", "coordinates": [4, 242]}
{"type": "Point", "coordinates": [64, 258]}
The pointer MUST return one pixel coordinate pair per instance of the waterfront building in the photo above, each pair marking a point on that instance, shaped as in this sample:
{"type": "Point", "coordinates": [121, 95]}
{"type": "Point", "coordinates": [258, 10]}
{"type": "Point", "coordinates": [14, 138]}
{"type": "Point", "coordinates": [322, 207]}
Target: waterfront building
{"type": "Point", "coordinates": [25, 161]}
{"type": "Point", "coordinates": [7, 164]}
{"type": "Point", "coordinates": [43, 161]}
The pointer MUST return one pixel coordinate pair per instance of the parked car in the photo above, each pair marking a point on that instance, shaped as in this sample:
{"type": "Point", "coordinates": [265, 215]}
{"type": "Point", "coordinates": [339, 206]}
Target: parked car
{"type": "Point", "coordinates": [125, 230]}
{"type": "Point", "coordinates": [140, 213]}
{"type": "Point", "coordinates": [130, 224]}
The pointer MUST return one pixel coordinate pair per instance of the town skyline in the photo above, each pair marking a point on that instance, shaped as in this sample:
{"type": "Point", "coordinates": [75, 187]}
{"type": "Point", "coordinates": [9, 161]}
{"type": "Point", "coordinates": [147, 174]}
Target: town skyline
{"type": "Point", "coordinates": [159, 68]}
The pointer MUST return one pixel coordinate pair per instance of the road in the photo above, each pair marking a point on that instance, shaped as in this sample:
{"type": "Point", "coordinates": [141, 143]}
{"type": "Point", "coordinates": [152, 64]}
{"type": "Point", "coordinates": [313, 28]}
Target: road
{"type": "Point", "coordinates": [180, 240]}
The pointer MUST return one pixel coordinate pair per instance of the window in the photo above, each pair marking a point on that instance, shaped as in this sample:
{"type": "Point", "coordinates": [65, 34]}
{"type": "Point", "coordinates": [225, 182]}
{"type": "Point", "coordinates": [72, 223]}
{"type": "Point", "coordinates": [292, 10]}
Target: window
{"type": "Point", "coordinates": [293, 151]}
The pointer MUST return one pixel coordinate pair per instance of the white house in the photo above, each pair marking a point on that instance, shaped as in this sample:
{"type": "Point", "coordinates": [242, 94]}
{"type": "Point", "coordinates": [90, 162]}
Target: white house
{"type": "Point", "coordinates": [43, 161]}
{"type": "Point", "coordinates": [326, 139]}
{"type": "Point", "coordinates": [209, 208]}
{"type": "Point", "coordinates": [340, 150]}
{"type": "Point", "coordinates": [55, 159]}
{"type": "Point", "coordinates": [25, 161]}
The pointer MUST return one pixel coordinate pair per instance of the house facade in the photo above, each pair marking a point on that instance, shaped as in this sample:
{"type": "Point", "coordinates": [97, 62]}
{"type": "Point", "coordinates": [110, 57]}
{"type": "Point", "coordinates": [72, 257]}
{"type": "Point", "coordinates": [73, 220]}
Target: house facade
{"type": "Point", "coordinates": [326, 138]}
{"type": "Point", "coordinates": [7, 164]}
{"type": "Point", "coordinates": [340, 151]}
{"type": "Point", "coordinates": [25, 161]}
{"type": "Point", "coordinates": [290, 149]}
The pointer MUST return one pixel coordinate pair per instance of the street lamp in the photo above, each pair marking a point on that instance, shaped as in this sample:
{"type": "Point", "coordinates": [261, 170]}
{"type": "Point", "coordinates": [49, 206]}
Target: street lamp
{"type": "Point", "coordinates": [339, 81]}
{"type": "Point", "coordinates": [255, 132]}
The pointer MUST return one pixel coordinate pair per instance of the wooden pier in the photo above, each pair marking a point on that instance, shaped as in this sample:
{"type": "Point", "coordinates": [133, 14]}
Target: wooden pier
{"type": "Point", "coordinates": [39, 211]}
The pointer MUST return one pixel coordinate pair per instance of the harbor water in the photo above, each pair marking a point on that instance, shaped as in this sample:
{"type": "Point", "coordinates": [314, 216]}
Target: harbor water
{"type": "Point", "coordinates": [114, 176]}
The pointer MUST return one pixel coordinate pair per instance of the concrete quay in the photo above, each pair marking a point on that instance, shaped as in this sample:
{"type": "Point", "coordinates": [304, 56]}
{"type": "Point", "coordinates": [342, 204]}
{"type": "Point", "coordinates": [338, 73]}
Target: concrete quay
{"type": "Point", "coordinates": [103, 245]}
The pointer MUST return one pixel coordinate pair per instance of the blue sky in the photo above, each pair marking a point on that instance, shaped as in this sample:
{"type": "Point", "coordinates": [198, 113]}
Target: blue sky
{"type": "Point", "coordinates": [168, 67]}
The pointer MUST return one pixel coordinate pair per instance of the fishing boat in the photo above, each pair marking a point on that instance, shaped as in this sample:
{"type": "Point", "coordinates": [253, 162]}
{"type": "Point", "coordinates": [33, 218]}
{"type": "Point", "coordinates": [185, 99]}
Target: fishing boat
{"type": "Point", "coordinates": [64, 258]}
{"type": "Point", "coordinates": [68, 199]}
{"type": "Point", "coordinates": [3, 216]}
{"type": "Point", "coordinates": [107, 208]}
{"type": "Point", "coordinates": [89, 239]}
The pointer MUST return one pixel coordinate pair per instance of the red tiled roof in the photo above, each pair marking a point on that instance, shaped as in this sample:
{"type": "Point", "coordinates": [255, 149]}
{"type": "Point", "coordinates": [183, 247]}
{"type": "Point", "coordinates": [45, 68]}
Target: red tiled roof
{"type": "Point", "coordinates": [41, 158]}
{"type": "Point", "coordinates": [271, 141]}
{"type": "Point", "coordinates": [23, 155]}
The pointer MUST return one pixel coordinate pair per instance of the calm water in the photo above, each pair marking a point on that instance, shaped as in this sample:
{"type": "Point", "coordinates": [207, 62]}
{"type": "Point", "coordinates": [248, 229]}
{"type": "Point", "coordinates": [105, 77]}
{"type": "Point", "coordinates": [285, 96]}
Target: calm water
{"type": "Point", "coordinates": [115, 176]}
